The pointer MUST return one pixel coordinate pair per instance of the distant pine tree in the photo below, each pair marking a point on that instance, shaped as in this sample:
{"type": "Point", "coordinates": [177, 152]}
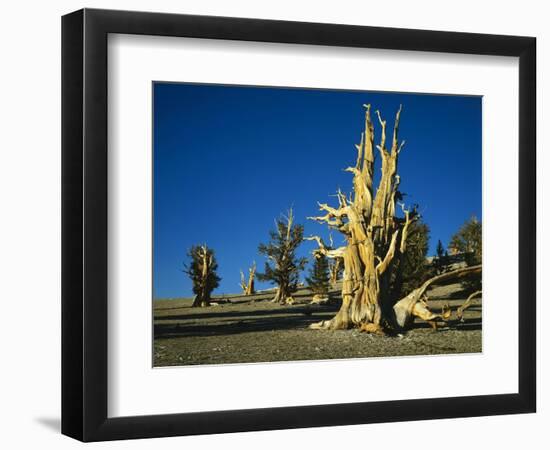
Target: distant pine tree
{"type": "Point", "coordinates": [467, 240]}
{"type": "Point", "coordinates": [440, 251]}
{"type": "Point", "coordinates": [319, 279]}
{"type": "Point", "coordinates": [414, 269]}
{"type": "Point", "coordinates": [202, 271]}
{"type": "Point", "coordinates": [441, 263]}
{"type": "Point", "coordinates": [283, 267]}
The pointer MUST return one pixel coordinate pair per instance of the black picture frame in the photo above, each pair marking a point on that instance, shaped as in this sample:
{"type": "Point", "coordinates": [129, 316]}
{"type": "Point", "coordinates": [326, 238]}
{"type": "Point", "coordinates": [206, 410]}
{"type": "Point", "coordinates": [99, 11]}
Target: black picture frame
{"type": "Point", "coordinates": [84, 224]}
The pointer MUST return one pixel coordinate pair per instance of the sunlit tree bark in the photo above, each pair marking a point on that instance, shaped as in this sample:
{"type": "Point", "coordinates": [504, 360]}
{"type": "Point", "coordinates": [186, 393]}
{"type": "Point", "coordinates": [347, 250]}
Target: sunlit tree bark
{"type": "Point", "coordinates": [375, 238]}
{"type": "Point", "coordinates": [248, 285]}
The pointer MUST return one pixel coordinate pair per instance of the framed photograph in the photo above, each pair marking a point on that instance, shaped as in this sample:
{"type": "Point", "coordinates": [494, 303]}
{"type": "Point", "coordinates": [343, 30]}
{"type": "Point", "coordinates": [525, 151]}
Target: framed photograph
{"type": "Point", "coordinates": [273, 225]}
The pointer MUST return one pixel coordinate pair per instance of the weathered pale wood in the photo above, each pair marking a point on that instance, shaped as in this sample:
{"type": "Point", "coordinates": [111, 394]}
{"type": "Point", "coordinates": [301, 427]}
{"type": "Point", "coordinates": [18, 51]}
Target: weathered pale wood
{"type": "Point", "coordinates": [247, 286]}
{"type": "Point", "coordinates": [202, 298]}
{"type": "Point", "coordinates": [469, 301]}
{"type": "Point", "coordinates": [375, 238]}
{"type": "Point", "coordinates": [334, 269]}
{"type": "Point", "coordinates": [414, 305]}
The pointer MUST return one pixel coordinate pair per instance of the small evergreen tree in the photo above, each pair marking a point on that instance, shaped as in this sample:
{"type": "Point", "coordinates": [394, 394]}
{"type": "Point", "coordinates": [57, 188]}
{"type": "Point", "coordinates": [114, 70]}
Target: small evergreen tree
{"type": "Point", "coordinates": [440, 251]}
{"type": "Point", "coordinates": [202, 271]}
{"type": "Point", "coordinates": [415, 269]}
{"type": "Point", "coordinates": [319, 279]}
{"type": "Point", "coordinates": [283, 267]}
{"type": "Point", "coordinates": [467, 240]}
{"type": "Point", "coordinates": [441, 263]}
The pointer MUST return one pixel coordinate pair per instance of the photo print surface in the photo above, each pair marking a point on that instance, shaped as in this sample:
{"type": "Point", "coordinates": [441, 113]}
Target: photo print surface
{"type": "Point", "coordinates": [307, 224]}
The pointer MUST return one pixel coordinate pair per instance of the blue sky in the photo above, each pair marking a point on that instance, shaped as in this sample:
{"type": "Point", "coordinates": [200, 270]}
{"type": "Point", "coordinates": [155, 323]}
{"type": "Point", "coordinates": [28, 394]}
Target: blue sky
{"type": "Point", "coordinates": [229, 159]}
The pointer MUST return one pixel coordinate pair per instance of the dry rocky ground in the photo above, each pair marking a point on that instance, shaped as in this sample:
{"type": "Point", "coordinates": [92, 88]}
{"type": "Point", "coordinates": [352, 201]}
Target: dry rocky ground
{"type": "Point", "coordinates": [252, 329]}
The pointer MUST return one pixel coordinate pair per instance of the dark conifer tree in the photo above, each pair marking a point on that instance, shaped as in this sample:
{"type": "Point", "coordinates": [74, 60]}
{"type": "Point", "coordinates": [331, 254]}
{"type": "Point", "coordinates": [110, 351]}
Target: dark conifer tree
{"type": "Point", "coordinates": [467, 241]}
{"type": "Point", "coordinates": [202, 271]}
{"type": "Point", "coordinates": [441, 263]}
{"type": "Point", "coordinates": [283, 267]}
{"type": "Point", "coordinates": [319, 279]}
{"type": "Point", "coordinates": [414, 268]}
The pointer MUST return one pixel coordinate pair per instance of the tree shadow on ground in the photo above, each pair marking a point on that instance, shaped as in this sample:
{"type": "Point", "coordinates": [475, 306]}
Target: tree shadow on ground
{"type": "Point", "coordinates": [215, 312]}
{"type": "Point", "coordinates": [266, 323]}
{"type": "Point", "coordinates": [277, 323]}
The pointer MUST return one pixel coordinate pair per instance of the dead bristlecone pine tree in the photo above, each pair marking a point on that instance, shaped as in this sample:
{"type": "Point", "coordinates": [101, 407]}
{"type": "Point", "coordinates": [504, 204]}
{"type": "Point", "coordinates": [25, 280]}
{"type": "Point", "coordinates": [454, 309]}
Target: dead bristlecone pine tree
{"type": "Point", "coordinates": [248, 286]}
{"type": "Point", "coordinates": [202, 271]}
{"type": "Point", "coordinates": [375, 241]}
{"type": "Point", "coordinates": [283, 267]}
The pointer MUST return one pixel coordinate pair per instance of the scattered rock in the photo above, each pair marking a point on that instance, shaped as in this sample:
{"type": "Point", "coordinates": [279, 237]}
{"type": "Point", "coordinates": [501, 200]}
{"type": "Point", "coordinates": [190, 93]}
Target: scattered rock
{"type": "Point", "coordinates": [319, 299]}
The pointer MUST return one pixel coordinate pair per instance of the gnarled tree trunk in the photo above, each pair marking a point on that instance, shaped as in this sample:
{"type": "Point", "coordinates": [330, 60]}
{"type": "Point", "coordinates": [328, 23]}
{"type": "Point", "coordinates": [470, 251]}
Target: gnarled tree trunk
{"type": "Point", "coordinates": [373, 233]}
{"type": "Point", "coordinates": [335, 269]}
{"type": "Point", "coordinates": [375, 237]}
{"type": "Point", "coordinates": [202, 298]}
{"type": "Point", "coordinates": [283, 295]}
